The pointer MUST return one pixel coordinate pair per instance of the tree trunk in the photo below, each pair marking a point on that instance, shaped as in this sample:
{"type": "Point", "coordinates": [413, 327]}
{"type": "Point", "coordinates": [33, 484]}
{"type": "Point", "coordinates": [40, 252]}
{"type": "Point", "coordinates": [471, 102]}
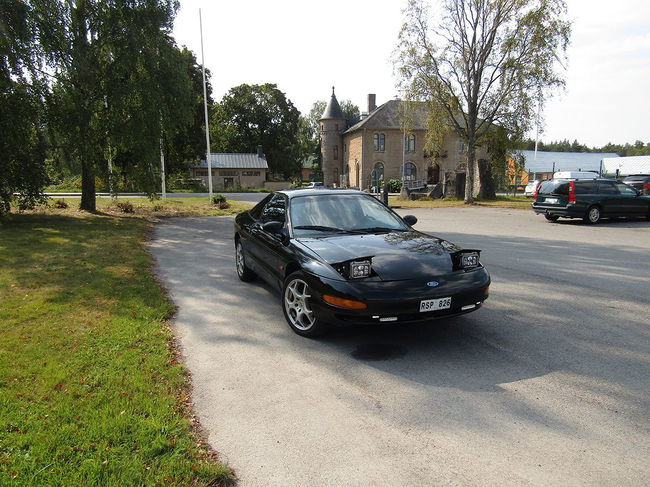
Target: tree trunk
{"type": "Point", "coordinates": [88, 200]}
{"type": "Point", "coordinates": [469, 180]}
{"type": "Point", "coordinates": [486, 181]}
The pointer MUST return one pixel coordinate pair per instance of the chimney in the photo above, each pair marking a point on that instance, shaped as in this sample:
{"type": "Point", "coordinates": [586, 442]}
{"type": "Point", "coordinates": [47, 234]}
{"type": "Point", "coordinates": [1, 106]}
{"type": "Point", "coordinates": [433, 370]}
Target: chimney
{"type": "Point", "coordinates": [372, 102]}
{"type": "Point", "coordinates": [260, 152]}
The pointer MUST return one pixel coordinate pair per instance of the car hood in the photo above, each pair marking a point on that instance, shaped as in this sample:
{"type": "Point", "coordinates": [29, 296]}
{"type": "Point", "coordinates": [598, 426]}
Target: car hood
{"type": "Point", "coordinates": [394, 256]}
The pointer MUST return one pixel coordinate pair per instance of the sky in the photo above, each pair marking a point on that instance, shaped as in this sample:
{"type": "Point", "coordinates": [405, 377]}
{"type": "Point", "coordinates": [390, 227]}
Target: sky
{"type": "Point", "coordinates": [307, 47]}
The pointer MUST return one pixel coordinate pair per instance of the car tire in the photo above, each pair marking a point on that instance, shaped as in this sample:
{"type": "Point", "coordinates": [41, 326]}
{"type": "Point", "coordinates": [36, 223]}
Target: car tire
{"type": "Point", "coordinates": [243, 271]}
{"type": "Point", "coordinates": [551, 218]}
{"type": "Point", "coordinates": [593, 215]}
{"type": "Point", "coordinates": [296, 305]}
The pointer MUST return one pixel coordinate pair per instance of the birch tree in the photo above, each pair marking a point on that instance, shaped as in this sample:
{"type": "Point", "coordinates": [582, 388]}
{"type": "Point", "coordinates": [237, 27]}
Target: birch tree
{"type": "Point", "coordinates": [480, 63]}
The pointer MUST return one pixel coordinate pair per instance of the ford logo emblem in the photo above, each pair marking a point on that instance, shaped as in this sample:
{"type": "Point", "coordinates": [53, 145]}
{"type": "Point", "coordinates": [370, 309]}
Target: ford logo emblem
{"type": "Point", "coordinates": [432, 283]}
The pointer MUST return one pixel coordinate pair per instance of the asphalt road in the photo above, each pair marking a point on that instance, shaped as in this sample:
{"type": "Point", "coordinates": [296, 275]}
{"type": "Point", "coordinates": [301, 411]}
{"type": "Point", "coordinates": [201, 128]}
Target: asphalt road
{"type": "Point", "coordinates": [547, 384]}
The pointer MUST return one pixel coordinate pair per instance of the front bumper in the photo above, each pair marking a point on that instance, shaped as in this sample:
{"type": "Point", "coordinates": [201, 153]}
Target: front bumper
{"type": "Point", "coordinates": [399, 301]}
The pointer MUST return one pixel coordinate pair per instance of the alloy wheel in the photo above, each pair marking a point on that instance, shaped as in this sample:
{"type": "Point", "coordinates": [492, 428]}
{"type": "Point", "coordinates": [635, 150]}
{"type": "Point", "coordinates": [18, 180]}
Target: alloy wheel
{"type": "Point", "coordinates": [296, 304]}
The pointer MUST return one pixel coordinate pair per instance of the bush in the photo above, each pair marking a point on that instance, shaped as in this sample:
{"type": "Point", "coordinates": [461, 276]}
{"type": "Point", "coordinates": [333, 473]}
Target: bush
{"type": "Point", "coordinates": [394, 185]}
{"type": "Point", "coordinates": [218, 199]}
{"type": "Point", "coordinates": [224, 205]}
{"type": "Point", "coordinates": [61, 204]}
{"type": "Point", "coordinates": [126, 207]}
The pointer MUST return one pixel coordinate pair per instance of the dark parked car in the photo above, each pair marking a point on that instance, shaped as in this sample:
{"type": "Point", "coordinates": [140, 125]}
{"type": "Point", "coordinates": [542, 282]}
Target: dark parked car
{"type": "Point", "coordinates": [341, 256]}
{"type": "Point", "coordinates": [640, 182]}
{"type": "Point", "coordinates": [589, 199]}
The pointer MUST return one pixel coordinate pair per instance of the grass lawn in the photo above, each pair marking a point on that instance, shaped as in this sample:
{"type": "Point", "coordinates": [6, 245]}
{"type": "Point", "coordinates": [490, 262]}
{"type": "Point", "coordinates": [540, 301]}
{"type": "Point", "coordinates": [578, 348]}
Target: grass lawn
{"type": "Point", "coordinates": [91, 392]}
{"type": "Point", "coordinates": [517, 202]}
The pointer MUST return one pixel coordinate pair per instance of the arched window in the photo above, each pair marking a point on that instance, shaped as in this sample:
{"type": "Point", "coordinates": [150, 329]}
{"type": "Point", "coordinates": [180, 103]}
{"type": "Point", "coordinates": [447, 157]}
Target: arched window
{"type": "Point", "coordinates": [409, 143]}
{"type": "Point", "coordinates": [379, 141]}
{"type": "Point", "coordinates": [336, 152]}
{"type": "Point", "coordinates": [377, 177]}
{"type": "Point", "coordinates": [410, 171]}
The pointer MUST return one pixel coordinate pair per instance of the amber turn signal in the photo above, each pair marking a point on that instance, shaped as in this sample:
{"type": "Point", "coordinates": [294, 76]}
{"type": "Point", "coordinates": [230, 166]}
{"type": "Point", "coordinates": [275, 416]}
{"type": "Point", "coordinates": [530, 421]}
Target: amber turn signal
{"type": "Point", "coordinates": [343, 303]}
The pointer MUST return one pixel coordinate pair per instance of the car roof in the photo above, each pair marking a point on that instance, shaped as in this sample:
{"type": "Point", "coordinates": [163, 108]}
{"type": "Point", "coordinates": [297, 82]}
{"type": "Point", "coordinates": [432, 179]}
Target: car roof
{"type": "Point", "coordinates": [292, 193]}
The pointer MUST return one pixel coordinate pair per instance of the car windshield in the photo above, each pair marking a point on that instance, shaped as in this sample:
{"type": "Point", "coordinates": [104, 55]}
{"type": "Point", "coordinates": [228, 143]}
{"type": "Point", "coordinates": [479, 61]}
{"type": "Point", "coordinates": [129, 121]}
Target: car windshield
{"type": "Point", "coordinates": [341, 213]}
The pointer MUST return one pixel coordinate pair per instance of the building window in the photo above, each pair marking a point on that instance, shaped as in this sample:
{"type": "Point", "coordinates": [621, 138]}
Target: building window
{"type": "Point", "coordinates": [461, 146]}
{"type": "Point", "coordinates": [409, 143]}
{"type": "Point", "coordinates": [228, 173]}
{"type": "Point", "coordinates": [379, 141]}
{"type": "Point", "coordinates": [377, 177]}
{"type": "Point", "coordinates": [250, 173]}
{"type": "Point", "coordinates": [410, 171]}
{"type": "Point", "coordinates": [336, 152]}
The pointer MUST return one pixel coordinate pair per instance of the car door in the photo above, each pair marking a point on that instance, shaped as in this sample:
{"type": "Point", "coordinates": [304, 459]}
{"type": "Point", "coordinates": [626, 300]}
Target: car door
{"type": "Point", "coordinates": [267, 248]}
{"type": "Point", "coordinates": [608, 198]}
{"type": "Point", "coordinates": [631, 204]}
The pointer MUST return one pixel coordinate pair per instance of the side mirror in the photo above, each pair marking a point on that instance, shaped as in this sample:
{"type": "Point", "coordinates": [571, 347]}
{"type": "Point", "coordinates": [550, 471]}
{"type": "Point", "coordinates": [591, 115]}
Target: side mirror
{"type": "Point", "coordinates": [277, 230]}
{"type": "Point", "coordinates": [273, 227]}
{"type": "Point", "coordinates": [410, 220]}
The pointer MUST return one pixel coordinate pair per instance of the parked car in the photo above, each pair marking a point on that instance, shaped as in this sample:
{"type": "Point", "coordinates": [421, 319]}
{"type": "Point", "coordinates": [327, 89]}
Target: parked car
{"type": "Point", "coordinates": [530, 188]}
{"type": "Point", "coordinates": [589, 199]}
{"type": "Point", "coordinates": [640, 182]}
{"type": "Point", "coordinates": [315, 184]}
{"type": "Point", "coordinates": [343, 257]}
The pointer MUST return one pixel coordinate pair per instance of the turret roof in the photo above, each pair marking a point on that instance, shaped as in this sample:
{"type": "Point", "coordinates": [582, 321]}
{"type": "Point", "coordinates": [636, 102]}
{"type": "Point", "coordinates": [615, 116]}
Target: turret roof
{"type": "Point", "coordinates": [333, 109]}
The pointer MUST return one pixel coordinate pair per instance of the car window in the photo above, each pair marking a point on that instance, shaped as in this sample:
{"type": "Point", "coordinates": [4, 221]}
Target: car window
{"type": "Point", "coordinates": [586, 187]}
{"type": "Point", "coordinates": [625, 189]}
{"type": "Point", "coordinates": [554, 186]}
{"type": "Point", "coordinates": [607, 187]}
{"type": "Point", "coordinates": [275, 210]}
{"type": "Point", "coordinates": [256, 211]}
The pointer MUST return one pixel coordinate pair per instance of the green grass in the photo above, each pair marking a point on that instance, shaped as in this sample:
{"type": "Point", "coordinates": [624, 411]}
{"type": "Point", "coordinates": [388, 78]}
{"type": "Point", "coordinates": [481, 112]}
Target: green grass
{"type": "Point", "coordinates": [91, 392]}
{"type": "Point", "coordinates": [517, 202]}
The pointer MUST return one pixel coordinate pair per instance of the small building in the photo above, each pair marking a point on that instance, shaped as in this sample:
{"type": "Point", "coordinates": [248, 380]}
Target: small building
{"type": "Point", "coordinates": [310, 170]}
{"type": "Point", "coordinates": [624, 166]}
{"type": "Point", "coordinates": [230, 171]}
{"type": "Point", "coordinates": [377, 149]}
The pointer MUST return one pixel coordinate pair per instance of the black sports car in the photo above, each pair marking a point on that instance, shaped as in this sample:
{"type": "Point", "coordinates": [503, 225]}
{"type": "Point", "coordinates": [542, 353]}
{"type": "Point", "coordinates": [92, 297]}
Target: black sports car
{"type": "Point", "coordinates": [341, 256]}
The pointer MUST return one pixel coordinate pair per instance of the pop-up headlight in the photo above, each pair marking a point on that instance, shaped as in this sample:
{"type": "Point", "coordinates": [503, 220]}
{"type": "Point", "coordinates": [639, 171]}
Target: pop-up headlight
{"type": "Point", "coordinates": [469, 260]}
{"type": "Point", "coordinates": [359, 269]}
{"type": "Point", "coordinates": [466, 259]}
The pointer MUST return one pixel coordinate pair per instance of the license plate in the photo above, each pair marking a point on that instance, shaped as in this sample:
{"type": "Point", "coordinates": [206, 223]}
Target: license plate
{"type": "Point", "coordinates": [434, 304]}
{"type": "Point", "coordinates": [551, 200]}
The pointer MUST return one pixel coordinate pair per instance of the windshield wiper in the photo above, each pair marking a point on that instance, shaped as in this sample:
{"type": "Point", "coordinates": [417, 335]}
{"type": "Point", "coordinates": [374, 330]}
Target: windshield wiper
{"type": "Point", "coordinates": [377, 230]}
{"type": "Point", "coordinates": [319, 228]}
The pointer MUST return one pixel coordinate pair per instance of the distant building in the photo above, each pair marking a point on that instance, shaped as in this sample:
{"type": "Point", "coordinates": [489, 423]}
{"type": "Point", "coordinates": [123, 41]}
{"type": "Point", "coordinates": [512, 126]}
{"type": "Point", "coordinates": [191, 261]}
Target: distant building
{"type": "Point", "coordinates": [376, 149]}
{"type": "Point", "coordinates": [542, 165]}
{"type": "Point", "coordinates": [624, 166]}
{"type": "Point", "coordinates": [309, 170]}
{"type": "Point", "coordinates": [231, 170]}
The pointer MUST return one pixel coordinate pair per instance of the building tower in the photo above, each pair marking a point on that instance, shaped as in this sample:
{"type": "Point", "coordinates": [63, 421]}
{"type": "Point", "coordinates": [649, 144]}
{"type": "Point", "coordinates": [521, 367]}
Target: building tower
{"type": "Point", "coordinates": [332, 126]}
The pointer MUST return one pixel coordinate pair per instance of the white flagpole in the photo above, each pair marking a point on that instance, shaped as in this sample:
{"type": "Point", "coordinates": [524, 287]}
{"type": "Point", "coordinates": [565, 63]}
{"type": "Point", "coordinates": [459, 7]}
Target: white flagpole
{"type": "Point", "coordinates": [162, 170]}
{"type": "Point", "coordinates": [205, 105]}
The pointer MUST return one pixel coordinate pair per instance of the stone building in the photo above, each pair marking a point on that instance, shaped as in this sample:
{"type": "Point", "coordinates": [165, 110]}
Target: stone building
{"type": "Point", "coordinates": [375, 149]}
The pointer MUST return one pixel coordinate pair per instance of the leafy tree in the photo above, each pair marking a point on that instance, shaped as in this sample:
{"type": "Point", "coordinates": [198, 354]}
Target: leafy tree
{"type": "Point", "coordinates": [188, 143]}
{"type": "Point", "coordinates": [484, 64]}
{"type": "Point", "coordinates": [253, 115]}
{"type": "Point", "coordinates": [119, 84]}
{"type": "Point", "coordinates": [22, 148]}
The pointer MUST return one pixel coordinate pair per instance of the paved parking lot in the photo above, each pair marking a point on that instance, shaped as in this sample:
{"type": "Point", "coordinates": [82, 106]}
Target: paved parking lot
{"type": "Point", "coordinates": [547, 384]}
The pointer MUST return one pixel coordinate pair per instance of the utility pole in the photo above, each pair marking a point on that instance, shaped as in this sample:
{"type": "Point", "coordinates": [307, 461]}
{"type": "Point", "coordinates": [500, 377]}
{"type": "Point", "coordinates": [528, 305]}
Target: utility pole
{"type": "Point", "coordinates": [205, 106]}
